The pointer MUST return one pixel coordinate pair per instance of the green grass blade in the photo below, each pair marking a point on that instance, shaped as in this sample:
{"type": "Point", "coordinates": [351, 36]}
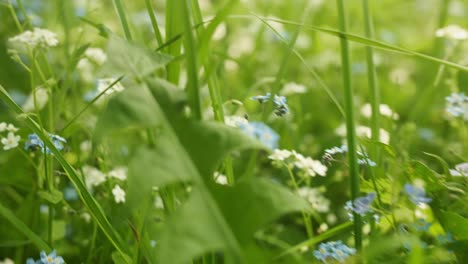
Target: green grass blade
{"type": "Point", "coordinates": [317, 239]}
{"type": "Point", "coordinates": [350, 122]}
{"type": "Point", "coordinates": [154, 22]}
{"type": "Point", "coordinates": [123, 19]}
{"type": "Point", "coordinates": [23, 228]}
{"type": "Point", "coordinates": [88, 200]}
{"type": "Point", "coordinates": [310, 69]}
{"type": "Point", "coordinates": [193, 85]}
{"type": "Point", "coordinates": [371, 42]}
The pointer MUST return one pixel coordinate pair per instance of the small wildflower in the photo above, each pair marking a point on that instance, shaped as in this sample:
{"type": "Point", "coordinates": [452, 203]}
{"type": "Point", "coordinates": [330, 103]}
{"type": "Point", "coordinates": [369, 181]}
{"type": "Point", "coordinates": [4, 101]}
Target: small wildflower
{"type": "Point", "coordinates": [281, 107]}
{"type": "Point", "coordinates": [367, 161]}
{"type": "Point", "coordinates": [360, 205]}
{"type": "Point", "coordinates": [457, 105]}
{"type": "Point", "coordinates": [315, 197]}
{"type": "Point", "coordinates": [103, 84]}
{"type": "Point", "coordinates": [52, 258]}
{"type": "Point", "coordinates": [93, 176]}
{"type": "Point", "coordinates": [293, 88]}
{"type": "Point", "coordinates": [11, 141]}
{"type": "Point", "coordinates": [220, 178]}
{"type": "Point", "coordinates": [310, 166]}
{"type": "Point", "coordinates": [96, 55]}
{"type": "Point", "coordinates": [38, 38]}
{"type": "Point", "coordinates": [385, 110]}
{"type": "Point", "coordinates": [34, 142]}
{"type": "Point", "coordinates": [460, 170]}
{"type": "Point", "coordinates": [333, 250]}
{"type": "Point", "coordinates": [417, 195]}
{"type": "Point", "coordinates": [7, 261]}
{"type": "Point", "coordinates": [235, 121]}
{"type": "Point", "coordinates": [262, 132]}
{"type": "Point", "coordinates": [280, 155]}
{"type": "Point", "coordinates": [3, 126]}
{"type": "Point", "coordinates": [36, 100]}
{"type": "Point", "coordinates": [119, 194]}
{"type": "Point", "coordinates": [452, 32]}
{"type": "Point", "coordinates": [158, 202]}
{"type": "Point", "coordinates": [119, 173]}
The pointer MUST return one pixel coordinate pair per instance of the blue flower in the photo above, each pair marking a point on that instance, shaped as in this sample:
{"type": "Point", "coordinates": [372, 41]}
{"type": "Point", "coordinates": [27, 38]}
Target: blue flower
{"type": "Point", "coordinates": [265, 134]}
{"type": "Point", "coordinates": [416, 194]}
{"type": "Point", "coordinates": [70, 194]}
{"type": "Point", "coordinates": [34, 142]}
{"type": "Point", "coordinates": [334, 250]}
{"type": "Point", "coordinates": [281, 107]}
{"type": "Point", "coordinates": [32, 261]}
{"type": "Point", "coordinates": [367, 161]}
{"type": "Point", "coordinates": [52, 258]}
{"type": "Point", "coordinates": [445, 239]}
{"type": "Point", "coordinates": [361, 205]}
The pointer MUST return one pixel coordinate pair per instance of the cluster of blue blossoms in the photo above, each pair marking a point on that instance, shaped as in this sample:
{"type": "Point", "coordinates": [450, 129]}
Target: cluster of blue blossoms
{"type": "Point", "coordinates": [34, 143]}
{"type": "Point", "coordinates": [333, 250]}
{"type": "Point", "coordinates": [281, 106]}
{"type": "Point", "coordinates": [262, 132]}
{"type": "Point", "coordinates": [52, 258]}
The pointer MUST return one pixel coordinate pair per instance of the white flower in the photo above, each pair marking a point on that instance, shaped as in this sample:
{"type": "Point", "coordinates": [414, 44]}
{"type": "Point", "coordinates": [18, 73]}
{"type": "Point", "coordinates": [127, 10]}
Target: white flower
{"type": "Point", "coordinates": [280, 154]}
{"type": "Point", "coordinates": [460, 170]}
{"type": "Point", "coordinates": [38, 38]}
{"type": "Point", "coordinates": [363, 131]}
{"type": "Point", "coordinates": [235, 121]}
{"type": "Point", "coordinates": [11, 141]}
{"type": "Point", "coordinates": [293, 88]}
{"type": "Point", "coordinates": [119, 194]}
{"type": "Point", "coordinates": [452, 32]}
{"type": "Point", "coordinates": [93, 176]}
{"type": "Point", "coordinates": [119, 173]}
{"type": "Point", "coordinates": [385, 110]}
{"type": "Point", "coordinates": [102, 85]}
{"type": "Point", "coordinates": [3, 126]}
{"type": "Point", "coordinates": [41, 98]}
{"type": "Point", "coordinates": [86, 146]}
{"type": "Point", "coordinates": [86, 217]}
{"type": "Point", "coordinates": [315, 198]}
{"type": "Point", "coordinates": [7, 261]}
{"type": "Point", "coordinates": [244, 44]}
{"type": "Point", "coordinates": [220, 178]}
{"type": "Point", "coordinates": [310, 166]}
{"type": "Point", "coordinates": [12, 128]}
{"type": "Point", "coordinates": [96, 55]}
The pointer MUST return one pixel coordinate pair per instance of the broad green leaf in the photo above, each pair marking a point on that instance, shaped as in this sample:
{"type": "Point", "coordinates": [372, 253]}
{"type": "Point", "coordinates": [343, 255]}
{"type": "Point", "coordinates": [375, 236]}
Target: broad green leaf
{"type": "Point", "coordinates": [456, 224]}
{"type": "Point", "coordinates": [252, 204]}
{"type": "Point", "coordinates": [132, 108]}
{"type": "Point", "coordinates": [125, 58]}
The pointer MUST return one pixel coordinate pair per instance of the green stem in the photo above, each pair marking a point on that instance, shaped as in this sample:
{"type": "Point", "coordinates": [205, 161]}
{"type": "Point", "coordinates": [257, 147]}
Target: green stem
{"type": "Point", "coordinates": [350, 123]}
{"type": "Point", "coordinates": [123, 19]}
{"type": "Point", "coordinates": [193, 90]}
{"type": "Point", "coordinates": [375, 94]}
{"type": "Point", "coordinates": [154, 22]}
{"type": "Point", "coordinates": [305, 215]}
{"type": "Point", "coordinates": [15, 18]}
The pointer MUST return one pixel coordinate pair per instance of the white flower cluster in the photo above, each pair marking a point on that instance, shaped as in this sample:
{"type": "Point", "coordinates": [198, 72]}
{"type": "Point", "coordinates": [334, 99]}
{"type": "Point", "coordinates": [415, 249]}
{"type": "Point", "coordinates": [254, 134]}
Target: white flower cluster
{"type": "Point", "coordinates": [363, 131]}
{"type": "Point", "coordinates": [102, 85]}
{"type": "Point", "coordinates": [293, 88]}
{"type": "Point", "coordinates": [11, 140]}
{"type": "Point", "coordinates": [307, 165]}
{"type": "Point", "coordinates": [38, 38]}
{"type": "Point", "coordinates": [460, 170]}
{"type": "Point", "coordinates": [94, 177]}
{"type": "Point", "coordinates": [454, 32]}
{"type": "Point", "coordinates": [315, 197]}
{"type": "Point", "coordinates": [385, 110]}
{"type": "Point", "coordinates": [93, 58]}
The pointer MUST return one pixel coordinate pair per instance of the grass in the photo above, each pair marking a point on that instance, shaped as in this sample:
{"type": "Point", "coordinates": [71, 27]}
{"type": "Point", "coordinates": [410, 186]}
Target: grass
{"type": "Point", "coordinates": [168, 159]}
